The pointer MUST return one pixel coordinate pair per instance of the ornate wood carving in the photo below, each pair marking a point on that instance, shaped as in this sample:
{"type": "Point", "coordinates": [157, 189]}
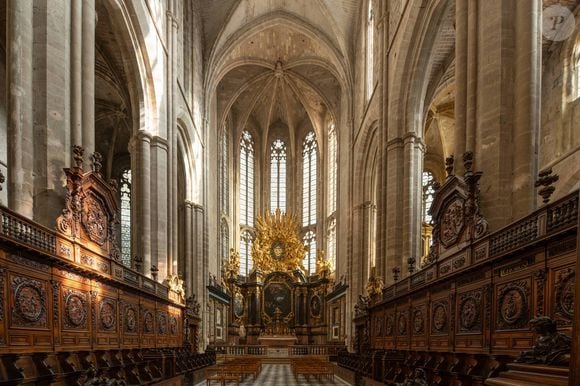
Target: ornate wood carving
{"type": "Point", "coordinates": [540, 277]}
{"type": "Point", "coordinates": [419, 320]}
{"type": "Point", "coordinates": [452, 222]}
{"type": "Point", "coordinates": [440, 317]}
{"type": "Point", "coordinates": [402, 322]}
{"type": "Point", "coordinates": [2, 292]}
{"type": "Point", "coordinates": [90, 207]}
{"type": "Point", "coordinates": [148, 322]}
{"type": "Point", "coordinates": [469, 311]}
{"type": "Point", "coordinates": [564, 286]}
{"type": "Point", "coordinates": [513, 305]}
{"type": "Point", "coordinates": [552, 347]}
{"type": "Point", "coordinates": [30, 302]}
{"type": "Point", "coordinates": [162, 323]}
{"type": "Point", "coordinates": [107, 314]}
{"type": "Point", "coordinates": [131, 318]}
{"type": "Point", "coordinates": [389, 325]}
{"type": "Point", "coordinates": [76, 309]}
{"type": "Point", "coordinates": [456, 212]}
{"type": "Point", "coordinates": [172, 325]}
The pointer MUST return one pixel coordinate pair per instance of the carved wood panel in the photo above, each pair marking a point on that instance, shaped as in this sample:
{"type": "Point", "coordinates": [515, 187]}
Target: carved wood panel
{"type": "Point", "coordinates": [52, 308]}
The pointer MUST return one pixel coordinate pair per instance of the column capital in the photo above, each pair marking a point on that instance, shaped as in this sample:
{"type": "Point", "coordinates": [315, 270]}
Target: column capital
{"type": "Point", "coordinates": [188, 204]}
{"type": "Point", "coordinates": [160, 142]}
{"type": "Point", "coordinates": [171, 17]}
{"type": "Point", "coordinates": [198, 208]}
{"type": "Point", "coordinates": [394, 143]}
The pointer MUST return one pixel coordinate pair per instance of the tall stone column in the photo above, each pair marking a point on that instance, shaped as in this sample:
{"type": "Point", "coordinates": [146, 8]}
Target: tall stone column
{"type": "Point", "coordinates": [527, 85]}
{"type": "Point", "coordinates": [394, 207]}
{"type": "Point", "coordinates": [20, 133]}
{"type": "Point", "coordinates": [461, 23]}
{"type": "Point", "coordinates": [159, 193]}
{"type": "Point", "coordinates": [355, 269]}
{"type": "Point", "coordinates": [200, 274]}
{"type": "Point", "coordinates": [88, 77]}
{"type": "Point", "coordinates": [472, 78]}
{"type": "Point", "coordinates": [141, 197]}
{"type": "Point", "coordinates": [369, 249]}
{"type": "Point", "coordinates": [189, 253]}
{"type": "Point", "coordinates": [413, 168]}
{"type": "Point", "coordinates": [172, 95]}
{"type": "Point", "coordinates": [76, 73]}
{"type": "Point", "coordinates": [51, 100]}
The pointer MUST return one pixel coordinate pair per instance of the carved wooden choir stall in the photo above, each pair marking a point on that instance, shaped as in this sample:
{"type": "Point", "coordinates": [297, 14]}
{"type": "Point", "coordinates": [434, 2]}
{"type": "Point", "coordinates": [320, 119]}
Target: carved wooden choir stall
{"type": "Point", "coordinates": [481, 304]}
{"type": "Point", "coordinates": [72, 313]}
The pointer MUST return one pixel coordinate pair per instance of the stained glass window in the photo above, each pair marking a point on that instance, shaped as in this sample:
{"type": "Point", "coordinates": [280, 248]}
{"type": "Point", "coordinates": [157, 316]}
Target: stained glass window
{"type": "Point", "coordinates": [332, 170]}
{"type": "Point", "coordinates": [223, 173]}
{"type": "Point", "coordinates": [331, 241]}
{"type": "Point", "coordinates": [310, 258]}
{"type": "Point", "coordinates": [309, 171]}
{"type": "Point", "coordinates": [428, 192]}
{"type": "Point", "coordinates": [370, 48]}
{"type": "Point", "coordinates": [278, 176]}
{"type": "Point", "coordinates": [245, 253]}
{"type": "Point", "coordinates": [125, 189]}
{"type": "Point", "coordinates": [224, 242]}
{"type": "Point", "coordinates": [247, 179]}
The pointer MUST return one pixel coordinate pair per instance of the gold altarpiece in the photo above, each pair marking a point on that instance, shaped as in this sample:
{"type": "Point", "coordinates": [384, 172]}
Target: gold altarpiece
{"type": "Point", "coordinates": [279, 303]}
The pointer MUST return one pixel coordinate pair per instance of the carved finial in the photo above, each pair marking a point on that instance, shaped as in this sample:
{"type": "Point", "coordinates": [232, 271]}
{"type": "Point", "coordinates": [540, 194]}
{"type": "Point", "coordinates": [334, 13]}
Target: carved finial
{"type": "Point", "coordinates": [154, 272]}
{"type": "Point", "coordinates": [97, 162]}
{"type": "Point", "coordinates": [546, 179]}
{"type": "Point", "coordinates": [78, 153]}
{"type": "Point", "coordinates": [2, 180]}
{"type": "Point", "coordinates": [449, 161]}
{"type": "Point", "coordinates": [411, 264]}
{"type": "Point", "coordinates": [468, 162]}
{"type": "Point", "coordinates": [137, 262]}
{"type": "Point", "coordinates": [396, 272]}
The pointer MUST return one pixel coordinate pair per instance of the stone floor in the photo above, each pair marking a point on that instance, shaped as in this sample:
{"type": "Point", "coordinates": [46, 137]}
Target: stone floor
{"type": "Point", "coordinates": [281, 375]}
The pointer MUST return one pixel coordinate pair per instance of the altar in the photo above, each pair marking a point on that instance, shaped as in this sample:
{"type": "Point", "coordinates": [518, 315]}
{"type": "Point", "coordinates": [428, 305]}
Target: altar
{"type": "Point", "coordinates": [278, 340]}
{"type": "Point", "coordinates": [280, 303]}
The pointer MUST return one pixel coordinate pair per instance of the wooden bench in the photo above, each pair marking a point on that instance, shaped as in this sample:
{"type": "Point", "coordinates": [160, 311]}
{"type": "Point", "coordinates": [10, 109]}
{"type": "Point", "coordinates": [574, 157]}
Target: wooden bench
{"type": "Point", "coordinates": [312, 367]}
{"type": "Point", "coordinates": [222, 379]}
{"type": "Point", "coordinates": [223, 373]}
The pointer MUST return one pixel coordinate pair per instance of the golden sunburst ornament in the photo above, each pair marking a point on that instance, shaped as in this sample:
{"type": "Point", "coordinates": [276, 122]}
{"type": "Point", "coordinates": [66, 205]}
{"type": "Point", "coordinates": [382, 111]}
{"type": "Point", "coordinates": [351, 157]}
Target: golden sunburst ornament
{"type": "Point", "coordinates": [277, 246]}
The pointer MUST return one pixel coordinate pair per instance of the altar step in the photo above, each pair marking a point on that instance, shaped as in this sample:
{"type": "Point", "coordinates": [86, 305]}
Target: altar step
{"type": "Point", "coordinates": [520, 374]}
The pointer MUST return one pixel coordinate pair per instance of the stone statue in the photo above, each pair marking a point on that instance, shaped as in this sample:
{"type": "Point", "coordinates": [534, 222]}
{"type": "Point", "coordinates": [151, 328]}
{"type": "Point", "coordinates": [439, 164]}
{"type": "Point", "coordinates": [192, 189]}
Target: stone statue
{"type": "Point", "coordinates": [242, 331]}
{"type": "Point", "coordinates": [552, 347]}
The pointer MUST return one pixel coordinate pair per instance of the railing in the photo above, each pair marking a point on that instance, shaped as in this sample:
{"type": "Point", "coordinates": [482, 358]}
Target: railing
{"type": "Point", "coordinates": [324, 350]}
{"type": "Point", "coordinates": [296, 350]}
{"type": "Point", "coordinates": [26, 232]}
{"type": "Point", "coordinates": [240, 350]}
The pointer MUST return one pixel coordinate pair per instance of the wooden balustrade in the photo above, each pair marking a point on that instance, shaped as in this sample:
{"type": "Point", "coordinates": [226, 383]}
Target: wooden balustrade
{"type": "Point", "coordinates": [328, 350]}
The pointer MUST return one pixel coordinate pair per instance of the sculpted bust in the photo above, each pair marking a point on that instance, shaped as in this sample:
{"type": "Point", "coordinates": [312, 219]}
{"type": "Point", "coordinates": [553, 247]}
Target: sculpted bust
{"type": "Point", "coordinates": [552, 347]}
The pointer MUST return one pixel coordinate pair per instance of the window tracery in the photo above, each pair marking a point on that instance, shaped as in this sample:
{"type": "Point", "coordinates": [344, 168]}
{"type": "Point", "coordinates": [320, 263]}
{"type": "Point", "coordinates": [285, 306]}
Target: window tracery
{"type": "Point", "coordinates": [278, 176]}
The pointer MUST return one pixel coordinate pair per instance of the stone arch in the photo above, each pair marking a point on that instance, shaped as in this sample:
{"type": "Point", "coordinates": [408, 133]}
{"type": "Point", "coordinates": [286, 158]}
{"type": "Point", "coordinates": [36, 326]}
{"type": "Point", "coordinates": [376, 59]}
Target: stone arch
{"type": "Point", "coordinates": [410, 72]}
{"type": "Point", "coordinates": [134, 56]}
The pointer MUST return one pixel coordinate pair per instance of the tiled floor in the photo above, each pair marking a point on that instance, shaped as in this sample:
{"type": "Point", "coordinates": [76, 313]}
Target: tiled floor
{"type": "Point", "coordinates": [281, 375]}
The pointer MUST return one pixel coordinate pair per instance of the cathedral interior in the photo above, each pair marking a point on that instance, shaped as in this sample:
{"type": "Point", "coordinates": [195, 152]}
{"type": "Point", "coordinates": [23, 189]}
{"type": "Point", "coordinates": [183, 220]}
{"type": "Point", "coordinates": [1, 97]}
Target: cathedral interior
{"type": "Point", "coordinates": [289, 192]}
